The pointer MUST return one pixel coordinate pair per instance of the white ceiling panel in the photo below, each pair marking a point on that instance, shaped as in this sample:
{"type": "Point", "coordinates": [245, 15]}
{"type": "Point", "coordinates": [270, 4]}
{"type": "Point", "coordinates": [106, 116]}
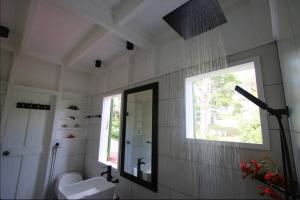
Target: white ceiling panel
{"type": "Point", "coordinates": [110, 47]}
{"type": "Point", "coordinates": [12, 16]}
{"type": "Point", "coordinates": [150, 20]}
{"type": "Point", "coordinates": [56, 32]}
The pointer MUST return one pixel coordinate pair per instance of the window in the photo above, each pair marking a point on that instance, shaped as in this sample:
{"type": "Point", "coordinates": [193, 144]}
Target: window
{"type": "Point", "coordinates": [110, 130]}
{"type": "Point", "coordinates": [215, 112]}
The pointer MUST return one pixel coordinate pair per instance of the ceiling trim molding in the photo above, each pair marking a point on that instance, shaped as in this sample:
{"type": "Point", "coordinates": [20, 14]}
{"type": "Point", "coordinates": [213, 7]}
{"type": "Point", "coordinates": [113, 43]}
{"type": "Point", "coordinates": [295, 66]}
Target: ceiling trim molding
{"type": "Point", "coordinates": [43, 58]}
{"type": "Point", "coordinates": [92, 38]}
{"type": "Point", "coordinates": [90, 10]}
{"type": "Point", "coordinates": [129, 10]}
{"type": "Point", "coordinates": [31, 13]}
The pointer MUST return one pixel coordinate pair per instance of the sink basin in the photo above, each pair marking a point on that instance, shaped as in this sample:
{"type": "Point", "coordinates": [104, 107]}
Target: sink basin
{"type": "Point", "coordinates": [94, 188]}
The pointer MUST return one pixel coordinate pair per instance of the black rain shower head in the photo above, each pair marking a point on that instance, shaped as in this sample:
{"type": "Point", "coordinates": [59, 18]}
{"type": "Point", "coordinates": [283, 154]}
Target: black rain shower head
{"type": "Point", "coordinates": [195, 17]}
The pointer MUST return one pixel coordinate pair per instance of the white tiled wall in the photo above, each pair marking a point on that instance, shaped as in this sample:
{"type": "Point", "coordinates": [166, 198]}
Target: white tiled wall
{"type": "Point", "coordinates": [286, 29]}
{"type": "Point", "coordinates": [188, 169]}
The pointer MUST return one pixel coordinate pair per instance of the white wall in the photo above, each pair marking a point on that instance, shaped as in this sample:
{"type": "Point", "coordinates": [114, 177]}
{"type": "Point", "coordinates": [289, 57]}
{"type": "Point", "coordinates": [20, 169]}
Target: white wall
{"type": "Point", "coordinates": [32, 72]}
{"type": "Point", "coordinates": [36, 73]}
{"type": "Point", "coordinates": [186, 168]}
{"type": "Point", "coordinates": [75, 81]}
{"type": "Point", "coordinates": [286, 29]}
{"type": "Point", "coordinates": [5, 62]}
{"type": "Point", "coordinates": [248, 26]}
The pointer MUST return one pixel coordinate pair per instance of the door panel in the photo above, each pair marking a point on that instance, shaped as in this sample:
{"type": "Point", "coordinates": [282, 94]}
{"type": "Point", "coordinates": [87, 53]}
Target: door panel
{"type": "Point", "coordinates": [26, 137]}
{"type": "Point", "coordinates": [29, 186]}
{"type": "Point", "coordinates": [37, 128]}
{"type": "Point", "coordinates": [9, 176]}
{"type": "Point", "coordinates": [16, 127]}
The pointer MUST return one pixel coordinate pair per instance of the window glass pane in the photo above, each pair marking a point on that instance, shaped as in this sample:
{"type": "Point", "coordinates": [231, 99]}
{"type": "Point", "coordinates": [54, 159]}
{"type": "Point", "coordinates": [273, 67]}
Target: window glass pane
{"type": "Point", "coordinates": [110, 130]}
{"type": "Point", "coordinates": [220, 113]}
{"type": "Point", "coordinates": [114, 130]}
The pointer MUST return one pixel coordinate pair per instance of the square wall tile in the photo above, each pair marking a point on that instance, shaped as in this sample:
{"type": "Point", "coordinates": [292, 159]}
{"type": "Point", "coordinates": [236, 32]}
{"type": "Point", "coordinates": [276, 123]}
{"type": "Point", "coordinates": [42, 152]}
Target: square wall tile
{"type": "Point", "coordinates": [180, 175]}
{"type": "Point", "coordinates": [178, 195]}
{"type": "Point", "coordinates": [92, 167]}
{"type": "Point", "coordinates": [94, 131]}
{"type": "Point", "coordinates": [124, 185]}
{"type": "Point", "coordinates": [139, 192]}
{"type": "Point", "coordinates": [164, 144]}
{"type": "Point", "coordinates": [66, 164]}
{"type": "Point", "coordinates": [222, 183]}
{"type": "Point", "coordinates": [71, 147]}
{"type": "Point", "coordinates": [92, 148]}
{"type": "Point", "coordinates": [120, 195]}
{"type": "Point", "coordinates": [274, 95]}
{"type": "Point", "coordinates": [296, 150]}
{"type": "Point", "coordinates": [171, 113]}
{"type": "Point", "coordinates": [268, 59]}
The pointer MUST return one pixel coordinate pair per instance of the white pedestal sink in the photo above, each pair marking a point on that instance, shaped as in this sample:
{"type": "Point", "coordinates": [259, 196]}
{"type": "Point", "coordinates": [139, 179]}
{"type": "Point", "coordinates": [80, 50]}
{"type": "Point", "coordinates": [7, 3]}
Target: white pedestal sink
{"type": "Point", "coordinates": [94, 188]}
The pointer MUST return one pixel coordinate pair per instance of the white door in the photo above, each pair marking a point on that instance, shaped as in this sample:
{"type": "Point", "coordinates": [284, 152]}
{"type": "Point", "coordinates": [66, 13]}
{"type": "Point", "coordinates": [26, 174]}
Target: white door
{"type": "Point", "coordinates": [25, 140]}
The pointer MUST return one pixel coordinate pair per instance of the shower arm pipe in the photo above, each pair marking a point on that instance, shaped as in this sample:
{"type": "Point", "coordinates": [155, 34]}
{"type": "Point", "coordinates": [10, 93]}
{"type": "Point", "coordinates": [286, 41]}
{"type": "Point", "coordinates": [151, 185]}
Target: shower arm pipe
{"type": "Point", "coordinates": [286, 161]}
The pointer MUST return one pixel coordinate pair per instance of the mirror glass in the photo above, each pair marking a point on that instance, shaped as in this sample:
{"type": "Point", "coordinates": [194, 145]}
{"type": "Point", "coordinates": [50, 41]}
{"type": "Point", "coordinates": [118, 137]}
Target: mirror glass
{"type": "Point", "coordinates": [139, 134]}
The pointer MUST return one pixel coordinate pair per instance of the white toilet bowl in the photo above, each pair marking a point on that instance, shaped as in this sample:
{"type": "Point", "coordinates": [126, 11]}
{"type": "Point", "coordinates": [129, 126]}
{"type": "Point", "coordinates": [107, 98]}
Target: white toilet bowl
{"type": "Point", "coordinates": [66, 179]}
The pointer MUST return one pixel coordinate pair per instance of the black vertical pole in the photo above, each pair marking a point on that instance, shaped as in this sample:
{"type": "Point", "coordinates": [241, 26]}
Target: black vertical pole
{"type": "Point", "coordinates": [286, 161]}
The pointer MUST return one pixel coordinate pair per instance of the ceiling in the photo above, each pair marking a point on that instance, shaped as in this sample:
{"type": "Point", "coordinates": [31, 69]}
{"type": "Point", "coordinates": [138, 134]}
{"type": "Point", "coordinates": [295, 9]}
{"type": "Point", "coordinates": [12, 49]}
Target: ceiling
{"type": "Point", "coordinates": [75, 33]}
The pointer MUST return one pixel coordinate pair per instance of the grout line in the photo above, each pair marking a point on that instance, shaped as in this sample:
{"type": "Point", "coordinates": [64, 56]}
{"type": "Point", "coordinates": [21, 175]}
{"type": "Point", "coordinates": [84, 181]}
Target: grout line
{"type": "Point", "coordinates": [70, 155]}
{"type": "Point", "coordinates": [199, 163]}
{"type": "Point", "coordinates": [170, 189]}
{"type": "Point", "coordinates": [273, 84]}
{"type": "Point", "coordinates": [297, 132]}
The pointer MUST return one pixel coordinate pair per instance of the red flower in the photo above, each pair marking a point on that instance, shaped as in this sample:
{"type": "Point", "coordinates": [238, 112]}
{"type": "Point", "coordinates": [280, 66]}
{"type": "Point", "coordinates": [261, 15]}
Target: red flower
{"type": "Point", "coordinates": [274, 178]}
{"type": "Point", "coordinates": [257, 166]}
{"type": "Point", "coordinates": [245, 168]}
{"type": "Point", "coordinates": [269, 176]}
{"type": "Point", "coordinates": [269, 192]}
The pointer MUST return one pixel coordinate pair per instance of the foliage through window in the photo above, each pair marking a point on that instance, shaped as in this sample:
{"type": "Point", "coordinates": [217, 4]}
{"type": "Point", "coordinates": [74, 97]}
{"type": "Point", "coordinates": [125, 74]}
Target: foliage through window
{"type": "Point", "coordinates": [214, 111]}
{"type": "Point", "coordinates": [110, 130]}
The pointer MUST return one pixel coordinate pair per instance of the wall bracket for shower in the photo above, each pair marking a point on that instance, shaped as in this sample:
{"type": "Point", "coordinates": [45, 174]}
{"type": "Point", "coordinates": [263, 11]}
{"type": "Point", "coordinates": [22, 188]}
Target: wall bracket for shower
{"type": "Point", "coordinates": [33, 106]}
{"type": "Point", "coordinates": [289, 184]}
{"type": "Point", "coordinates": [195, 17]}
{"type": "Point", "coordinates": [92, 116]}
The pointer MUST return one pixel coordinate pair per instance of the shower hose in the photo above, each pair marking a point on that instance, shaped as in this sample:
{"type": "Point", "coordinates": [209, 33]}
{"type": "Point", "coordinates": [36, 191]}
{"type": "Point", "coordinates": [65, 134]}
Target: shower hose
{"type": "Point", "coordinates": [53, 158]}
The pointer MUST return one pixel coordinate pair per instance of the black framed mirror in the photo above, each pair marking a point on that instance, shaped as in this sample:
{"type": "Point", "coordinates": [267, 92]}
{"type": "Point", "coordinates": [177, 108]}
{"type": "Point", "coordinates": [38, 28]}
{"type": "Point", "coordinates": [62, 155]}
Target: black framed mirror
{"type": "Point", "coordinates": [139, 135]}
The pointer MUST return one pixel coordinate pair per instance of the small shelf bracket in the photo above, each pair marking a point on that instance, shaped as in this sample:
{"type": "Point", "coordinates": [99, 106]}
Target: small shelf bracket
{"type": "Point", "coordinates": [92, 116]}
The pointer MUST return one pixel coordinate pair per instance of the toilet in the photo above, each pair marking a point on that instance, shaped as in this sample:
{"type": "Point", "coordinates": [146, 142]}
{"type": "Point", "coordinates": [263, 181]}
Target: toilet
{"type": "Point", "coordinates": [66, 179]}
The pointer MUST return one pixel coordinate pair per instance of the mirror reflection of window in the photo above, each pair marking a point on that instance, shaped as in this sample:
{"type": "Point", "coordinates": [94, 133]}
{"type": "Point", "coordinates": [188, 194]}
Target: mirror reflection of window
{"type": "Point", "coordinates": [139, 134]}
{"type": "Point", "coordinates": [110, 130]}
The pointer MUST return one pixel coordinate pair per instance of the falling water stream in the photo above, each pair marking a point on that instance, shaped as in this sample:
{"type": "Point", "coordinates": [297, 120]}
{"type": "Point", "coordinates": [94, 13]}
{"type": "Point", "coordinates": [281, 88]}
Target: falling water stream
{"type": "Point", "coordinates": [207, 168]}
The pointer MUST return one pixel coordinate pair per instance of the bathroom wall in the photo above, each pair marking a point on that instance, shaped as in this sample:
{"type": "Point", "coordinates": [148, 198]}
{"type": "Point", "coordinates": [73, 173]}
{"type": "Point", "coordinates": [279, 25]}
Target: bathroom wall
{"type": "Point", "coordinates": [182, 172]}
{"type": "Point", "coordinates": [29, 71]}
{"type": "Point", "coordinates": [5, 62]}
{"type": "Point", "coordinates": [286, 30]}
{"type": "Point", "coordinates": [35, 73]}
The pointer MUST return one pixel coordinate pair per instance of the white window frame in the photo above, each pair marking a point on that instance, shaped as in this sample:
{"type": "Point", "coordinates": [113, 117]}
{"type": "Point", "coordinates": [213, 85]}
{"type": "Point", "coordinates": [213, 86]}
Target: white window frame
{"type": "Point", "coordinates": [232, 67]}
{"type": "Point", "coordinates": [104, 133]}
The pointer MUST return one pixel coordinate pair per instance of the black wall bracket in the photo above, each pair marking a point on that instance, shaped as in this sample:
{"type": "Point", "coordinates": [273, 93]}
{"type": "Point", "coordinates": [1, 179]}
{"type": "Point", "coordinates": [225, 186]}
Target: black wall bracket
{"type": "Point", "coordinates": [92, 116]}
{"type": "Point", "coordinates": [33, 106]}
